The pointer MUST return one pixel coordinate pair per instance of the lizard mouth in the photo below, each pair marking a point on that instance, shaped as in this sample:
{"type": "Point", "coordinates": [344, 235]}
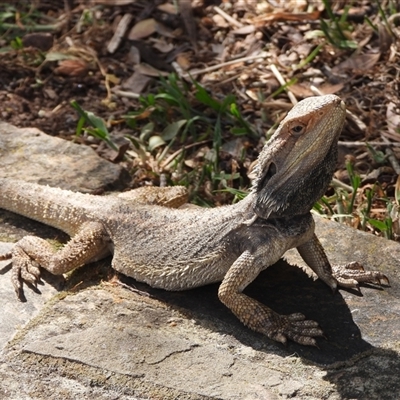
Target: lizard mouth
{"type": "Point", "coordinates": [271, 171]}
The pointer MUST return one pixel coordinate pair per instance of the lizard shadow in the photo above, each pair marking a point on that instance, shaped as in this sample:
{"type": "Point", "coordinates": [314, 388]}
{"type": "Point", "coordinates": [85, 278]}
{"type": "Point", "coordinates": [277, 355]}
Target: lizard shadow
{"type": "Point", "coordinates": [286, 289]}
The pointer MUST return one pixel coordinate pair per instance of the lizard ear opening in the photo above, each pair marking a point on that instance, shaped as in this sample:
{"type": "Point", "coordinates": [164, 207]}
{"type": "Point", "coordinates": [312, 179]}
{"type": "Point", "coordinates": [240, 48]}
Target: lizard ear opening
{"type": "Point", "coordinates": [271, 171]}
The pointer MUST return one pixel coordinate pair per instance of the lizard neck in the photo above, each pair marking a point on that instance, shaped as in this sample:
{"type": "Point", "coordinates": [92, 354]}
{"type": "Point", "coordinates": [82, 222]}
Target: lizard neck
{"type": "Point", "coordinates": [244, 209]}
{"type": "Point", "coordinates": [298, 193]}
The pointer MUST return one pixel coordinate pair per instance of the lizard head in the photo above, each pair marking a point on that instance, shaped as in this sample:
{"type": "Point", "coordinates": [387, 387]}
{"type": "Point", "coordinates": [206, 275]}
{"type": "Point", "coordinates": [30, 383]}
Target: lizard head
{"type": "Point", "coordinates": [296, 165]}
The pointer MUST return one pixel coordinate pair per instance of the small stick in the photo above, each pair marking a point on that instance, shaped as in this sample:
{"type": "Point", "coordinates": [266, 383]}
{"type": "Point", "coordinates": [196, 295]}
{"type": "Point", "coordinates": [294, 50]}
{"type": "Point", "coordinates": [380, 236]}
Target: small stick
{"type": "Point", "coordinates": [176, 153]}
{"type": "Point", "coordinates": [227, 17]}
{"type": "Point", "coordinates": [351, 144]}
{"type": "Point", "coordinates": [335, 182]}
{"type": "Point", "coordinates": [280, 79]}
{"type": "Point", "coordinates": [391, 157]}
{"type": "Point", "coordinates": [124, 93]}
{"type": "Point", "coordinates": [225, 64]}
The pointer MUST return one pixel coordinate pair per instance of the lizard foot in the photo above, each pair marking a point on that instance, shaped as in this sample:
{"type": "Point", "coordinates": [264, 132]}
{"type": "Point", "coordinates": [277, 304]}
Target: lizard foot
{"type": "Point", "coordinates": [350, 275]}
{"type": "Point", "coordinates": [293, 326]}
{"type": "Point", "coordinates": [23, 269]}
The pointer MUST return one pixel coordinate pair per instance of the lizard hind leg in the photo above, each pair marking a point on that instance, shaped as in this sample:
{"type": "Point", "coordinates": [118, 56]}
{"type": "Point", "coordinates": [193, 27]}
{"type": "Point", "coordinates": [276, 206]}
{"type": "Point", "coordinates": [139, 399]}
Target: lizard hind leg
{"type": "Point", "coordinates": [31, 252]}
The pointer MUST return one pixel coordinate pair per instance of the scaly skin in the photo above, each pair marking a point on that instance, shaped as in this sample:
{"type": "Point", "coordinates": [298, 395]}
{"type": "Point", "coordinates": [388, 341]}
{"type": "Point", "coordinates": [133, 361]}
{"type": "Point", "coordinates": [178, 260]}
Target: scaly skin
{"type": "Point", "coordinates": [177, 249]}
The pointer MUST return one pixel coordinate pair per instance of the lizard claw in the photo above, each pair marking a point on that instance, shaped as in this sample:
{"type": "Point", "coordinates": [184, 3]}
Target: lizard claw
{"type": "Point", "coordinates": [350, 275]}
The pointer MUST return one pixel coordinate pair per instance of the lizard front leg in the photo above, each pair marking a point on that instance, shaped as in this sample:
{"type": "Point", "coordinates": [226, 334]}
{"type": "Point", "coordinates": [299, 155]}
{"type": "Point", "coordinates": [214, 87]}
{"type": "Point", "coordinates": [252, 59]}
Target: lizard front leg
{"type": "Point", "coordinates": [256, 315]}
{"type": "Point", "coordinates": [30, 252]}
{"type": "Point", "coordinates": [348, 276]}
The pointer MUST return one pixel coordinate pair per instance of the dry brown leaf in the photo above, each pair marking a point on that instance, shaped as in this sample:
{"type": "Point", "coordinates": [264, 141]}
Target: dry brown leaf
{"type": "Point", "coordinates": [149, 56]}
{"type": "Point", "coordinates": [72, 68]}
{"type": "Point", "coordinates": [358, 62]}
{"type": "Point", "coordinates": [219, 21]}
{"type": "Point", "coordinates": [302, 91]}
{"type": "Point", "coordinates": [113, 79]}
{"type": "Point", "coordinates": [185, 7]}
{"type": "Point", "coordinates": [168, 8]}
{"type": "Point", "coordinates": [393, 119]}
{"type": "Point", "coordinates": [134, 55]}
{"type": "Point", "coordinates": [218, 49]}
{"type": "Point", "coordinates": [119, 33]}
{"type": "Point", "coordinates": [148, 70]}
{"type": "Point", "coordinates": [113, 2]}
{"type": "Point", "coordinates": [142, 29]}
{"type": "Point", "coordinates": [207, 22]}
{"type": "Point", "coordinates": [50, 93]}
{"type": "Point", "coordinates": [162, 46]}
{"type": "Point", "coordinates": [253, 94]}
{"type": "Point", "coordinates": [303, 49]}
{"type": "Point", "coordinates": [145, 114]}
{"type": "Point", "coordinates": [39, 40]}
{"type": "Point", "coordinates": [385, 38]}
{"type": "Point", "coordinates": [192, 163]}
{"type": "Point", "coordinates": [136, 83]}
{"type": "Point", "coordinates": [164, 31]}
{"type": "Point", "coordinates": [183, 62]}
{"type": "Point", "coordinates": [328, 88]}
{"type": "Point", "coordinates": [285, 16]}
{"type": "Point", "coordinates": [244, 30]}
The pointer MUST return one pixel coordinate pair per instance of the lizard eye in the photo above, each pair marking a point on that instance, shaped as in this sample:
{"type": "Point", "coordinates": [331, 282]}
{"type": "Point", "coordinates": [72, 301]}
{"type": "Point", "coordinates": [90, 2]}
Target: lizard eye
{"type": "Point", "coordinates": [297, 130]}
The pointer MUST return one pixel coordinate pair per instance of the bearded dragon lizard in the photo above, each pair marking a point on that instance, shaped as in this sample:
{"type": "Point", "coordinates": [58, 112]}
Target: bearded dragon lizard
{"type": "Point", "coordinates": [177, 249]}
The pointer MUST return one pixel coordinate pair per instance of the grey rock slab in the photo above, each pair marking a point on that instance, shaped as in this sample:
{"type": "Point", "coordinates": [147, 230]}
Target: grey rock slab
{"type": "Point", "coordinates": [31, 155]}
{"type": "Point", "coordinates": [123, 334]}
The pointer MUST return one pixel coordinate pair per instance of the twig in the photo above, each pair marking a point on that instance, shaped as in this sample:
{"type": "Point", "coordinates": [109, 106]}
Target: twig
{"type": "Point", "coordinates": [390, 22]}
{"type": "Point", "coordinates": [280, 79]}
{"type": "Point", "coordinates": [315, 90]}
{"type": "Point", "coordinates": [124, 93]}
{"type": "Point", "coordinates": [335, 182]}
{"type": "Point", "coordinates": [386, 143]}
{"type": "Point", "coordinates": [227, 80]}
{"type": "Point", "coordinates": [195, 72]}
{"type": "Point", "coordinates": [361, 126]}
{"type": "Point", "coordinates": [227, 17]}
{"type": "Point", "coordinates": [391, 157]}
{"type": "Point", "coordinates": [174, 155]}
{"type": "Point", "coordinates": [36, 28]}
